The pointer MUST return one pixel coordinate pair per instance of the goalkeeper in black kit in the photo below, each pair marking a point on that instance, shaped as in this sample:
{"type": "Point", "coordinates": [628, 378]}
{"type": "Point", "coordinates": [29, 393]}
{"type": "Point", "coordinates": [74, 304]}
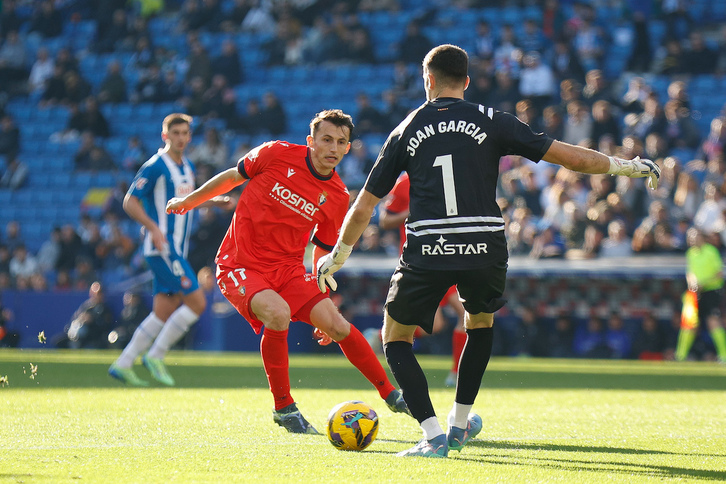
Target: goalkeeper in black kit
{"type": "Point", "coordinates": [450, 149]}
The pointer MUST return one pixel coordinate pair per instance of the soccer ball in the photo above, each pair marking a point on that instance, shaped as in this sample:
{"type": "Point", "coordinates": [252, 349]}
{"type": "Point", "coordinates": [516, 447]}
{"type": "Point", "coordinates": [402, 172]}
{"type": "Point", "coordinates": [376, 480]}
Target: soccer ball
{"type": "Point", "coordinates": [352, 425]}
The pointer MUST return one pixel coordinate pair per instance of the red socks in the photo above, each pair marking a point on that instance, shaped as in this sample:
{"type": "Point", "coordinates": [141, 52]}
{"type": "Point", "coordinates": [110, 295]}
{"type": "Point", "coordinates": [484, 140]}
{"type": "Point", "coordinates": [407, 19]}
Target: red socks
{"type": "Point", "coordinates": [458, 340]}
{"type": "Point", "coordinates": [273, 348]}
{"type": "Point", "coordinates": [361, 355]}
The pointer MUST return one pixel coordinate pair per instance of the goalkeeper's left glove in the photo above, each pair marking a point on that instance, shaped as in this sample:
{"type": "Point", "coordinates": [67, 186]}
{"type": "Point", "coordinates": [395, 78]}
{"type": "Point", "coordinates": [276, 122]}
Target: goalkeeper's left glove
{"type": "Point", "coordinates": [635, 168]}
{"type": "Point", "coordinates": [330, 263]}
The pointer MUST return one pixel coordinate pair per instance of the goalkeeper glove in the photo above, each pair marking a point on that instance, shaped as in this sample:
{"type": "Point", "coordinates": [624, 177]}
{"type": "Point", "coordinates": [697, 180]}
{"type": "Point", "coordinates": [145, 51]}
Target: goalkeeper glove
{"type": "Point", "coordinates": [635, 168]}
{"type": "Point", "coordinates": [330, 263]}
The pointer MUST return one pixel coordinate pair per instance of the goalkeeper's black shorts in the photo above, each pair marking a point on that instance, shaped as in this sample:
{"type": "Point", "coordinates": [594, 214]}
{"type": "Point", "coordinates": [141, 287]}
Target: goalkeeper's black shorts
{"type": "Point", "coordinates": [414, 294]}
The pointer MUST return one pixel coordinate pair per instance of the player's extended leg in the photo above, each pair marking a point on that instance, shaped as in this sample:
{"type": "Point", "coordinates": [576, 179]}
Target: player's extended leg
{"type": "Point", "coordinates": [272, 310]}
{"type": "Point", "coordinates": [326, 317]}
{"type": "Point", "coordinates": [398, 348]}
{"type": "Point", "coordinates": [143, 338]}
{"type": "Point", "coordinates": [458, 339]}
{"type": "Point", "coordinates": [176, 326]}
{"type": "Point", "coordinates": [463, 425]}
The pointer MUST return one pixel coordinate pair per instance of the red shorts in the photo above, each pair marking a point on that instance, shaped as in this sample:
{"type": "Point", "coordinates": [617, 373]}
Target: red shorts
{"type": "Point", "coordinates": [297, 287]}
{"type": "Point", "coordinates": [449, 293]}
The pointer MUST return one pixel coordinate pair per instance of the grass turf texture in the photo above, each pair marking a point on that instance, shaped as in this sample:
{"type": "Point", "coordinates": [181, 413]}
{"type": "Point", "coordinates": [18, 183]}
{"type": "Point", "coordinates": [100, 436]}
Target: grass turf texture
{"type": "Point", "coordinates": [544, 421]}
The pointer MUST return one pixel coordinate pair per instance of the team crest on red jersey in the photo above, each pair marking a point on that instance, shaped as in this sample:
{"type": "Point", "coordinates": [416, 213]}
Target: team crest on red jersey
{"type": "Point", "coordinates": [242, 291]}
{"type": "Point", "coordinates": [322, 198]}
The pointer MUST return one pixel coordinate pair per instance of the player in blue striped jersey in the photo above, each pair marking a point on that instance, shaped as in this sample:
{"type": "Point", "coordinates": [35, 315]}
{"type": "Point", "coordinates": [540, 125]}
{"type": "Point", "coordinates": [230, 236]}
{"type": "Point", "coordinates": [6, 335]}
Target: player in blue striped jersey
{"type": "Point", "coordinates": [178, 300]}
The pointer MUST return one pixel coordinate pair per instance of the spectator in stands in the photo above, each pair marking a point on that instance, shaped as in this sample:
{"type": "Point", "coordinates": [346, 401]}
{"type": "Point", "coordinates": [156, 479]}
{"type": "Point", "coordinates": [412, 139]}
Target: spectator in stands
{"type": "Point", "coordinates": [560, 342]}
{"type": "Point", "coordinates": [46, 20]}
{"type": "Point", "coordinates": [553, 123]}
{"type": "Point", "coordinates": [641, 55]}
{"type": "Point", "coordinates": [15, 175]}
{"type": "Point", "coordinates": [589, 340]}
{"type": "Point", "coordinates": [368, 118]}
{"type": "Point", "coordinates": [405, 84]}
{"type": "Point", "coordinates": [150, 88]}
{"type": "Point", "coordinates": [9, 18]}
{"type": "Point", "coordinates": [565, 64]}
{"type": "Point", "coordinates": [393, 110]}
{"type": "Point", "coordinates": [5, 256]}
{"type": "Point", "coordinates": [55, 88]}
{"type": "Point", "coordinates": [680, 130]}
{"type": "Point", "coordinates": [205, 240]}
{"type": "Point", "coordinates": [359, 46]}
{"type": "Point", "coordinates": [70, 247]}
{"type": "Point", "coordinates": [527, 112]}
{"type": "Point", "coordinates": [66, 59]}
{"type": "Point", "coordinates": [13, 238]}
{"type": "Point", "coordinates": [13, 64]}
{"type": "Point", "coordinates": [76, 88]}
{"type": "Point", "coordinates": [40, 72]}
{"type": "Point", "coordinates": [507, 54]}
{"type": "Point", "coordinates": [22, 263]}
{"type": "Point", "coordinates": [132, 314]}
{"type": "Point", "coordinates": [220, 102]}
{"type": "Point", "coordinates": [596, 88]}
{"type": "Point", "coordinates": [113, 87]}
{"type": "Point", "coordinates": [272, 115]}
{"type": "Point", "coordinates": [143, 56]}
{"type": "Point", "coordinates": [604, 122]}
{"type": "Point", "coordinates": [713, 146]}
{"type": "Point", "coordinates": [90, 323]}
{"type": "Point", "coordinates": [414, 45]}
{"type": "Point", "coordinates": [532, 38]}
{"type": "Point", "coordinates": [9, 136]}
{"type": "Point", "coordinates": [687, 196]}
{"type": "Point", "coordinates": [617, 339]}
{"type": "Point", "coordinates": [537, 82]}
{"type": "Point", "coordinates": [193, 100]}
{"type": "Point", "coordinates": [651, 120]}
{"type": "Point", "coordinates": [633, 101]}
{"type": "Point", "coordinates": [709, 217]}
{"type": "Point", "coordinates": [84, 273]}
{"type": "Point", "coordinates": [699, 58]}
{"type": "Point", "coordinates": [91, 156]}
{"type": "Point", "coordinates": [670, 59]}
{"type": "Point", "coordinates": [259, 19]}
{"type": "Point", "coordinates": [212, 151]}
{"type": "Point", "coordinates": [589, 43]}
{"type": "Point", "coordinates": [172, 88]}
{"type": "Point", "coordinates": [134, 155]}
{"type": "Point", "coordinates": [93, 119]}
{"type": "Point", "coordinates": [578, 123]}
{"type": "Point", "coordinates": [228, 63]}
{"type": "Point", "coordinates": [649, 342]}
{"type": "Point", "coordinates": [115, 36]}
{"type": "Point", "coordinates": [200, 64]}
{"type": "Point", "coordinates": [235, 15]}
{"type": "Point", "coordinates": [485, 40]}
{"type": "Point", "coordinates": [49, 251]}
{"type": "Point", "coordinates": [481, 88]}
{"type": "Point", "coordinates": [506, 93]}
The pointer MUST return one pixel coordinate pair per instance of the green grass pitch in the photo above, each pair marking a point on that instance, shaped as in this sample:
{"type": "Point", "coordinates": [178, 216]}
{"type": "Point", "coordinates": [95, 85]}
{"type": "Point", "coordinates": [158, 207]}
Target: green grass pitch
{"type": "Point", "coordinates": [65, 420]}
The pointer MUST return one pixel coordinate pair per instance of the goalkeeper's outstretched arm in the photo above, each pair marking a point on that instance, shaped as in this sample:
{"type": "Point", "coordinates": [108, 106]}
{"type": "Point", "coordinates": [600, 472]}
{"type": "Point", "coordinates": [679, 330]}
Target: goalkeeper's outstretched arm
{"type": "Point", "coordinates": [585, 160]}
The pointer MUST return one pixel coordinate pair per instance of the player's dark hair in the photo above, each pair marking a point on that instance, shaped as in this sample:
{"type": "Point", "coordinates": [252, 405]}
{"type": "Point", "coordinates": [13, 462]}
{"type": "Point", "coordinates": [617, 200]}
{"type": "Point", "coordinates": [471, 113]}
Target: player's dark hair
{"type": "Point", "coordinates": [174, 119]}
{"type": "Point", "coordinates": [448, 63]}
{"type": "Point", "coordinates": [335, 116]}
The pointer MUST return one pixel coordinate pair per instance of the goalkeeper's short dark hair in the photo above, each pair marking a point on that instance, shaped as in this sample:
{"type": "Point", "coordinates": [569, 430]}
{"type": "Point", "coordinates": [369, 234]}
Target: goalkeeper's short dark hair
{"type": "Point", "coordinates": [448, 63]}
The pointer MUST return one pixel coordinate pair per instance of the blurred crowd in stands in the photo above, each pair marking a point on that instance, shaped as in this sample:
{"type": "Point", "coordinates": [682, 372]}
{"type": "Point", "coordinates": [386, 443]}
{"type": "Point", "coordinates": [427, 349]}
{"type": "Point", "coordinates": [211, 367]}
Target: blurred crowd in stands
{"type": "Point", "coordinates": [553, 70]}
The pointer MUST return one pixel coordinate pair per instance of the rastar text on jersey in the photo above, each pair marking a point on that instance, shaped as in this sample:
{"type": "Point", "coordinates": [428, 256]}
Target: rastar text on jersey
{"type": "Point", "coordinates": [454, 249]}
{"type": "Point", "coordinates": [293, 200]}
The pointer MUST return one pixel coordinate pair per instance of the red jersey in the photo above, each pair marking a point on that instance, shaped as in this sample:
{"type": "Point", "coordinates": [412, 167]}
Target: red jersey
{"type": "Point", "coordinates": [284, 201]}
{"type": "Point", "coordinates": [397, 202]}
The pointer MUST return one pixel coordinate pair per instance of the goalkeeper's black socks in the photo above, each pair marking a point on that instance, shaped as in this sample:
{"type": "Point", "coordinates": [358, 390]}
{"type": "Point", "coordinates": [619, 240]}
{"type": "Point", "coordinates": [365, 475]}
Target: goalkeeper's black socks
{"type": "Point", "coordinates": [411, 378]}
{"type": "Point", "coordinates": [473, 363]}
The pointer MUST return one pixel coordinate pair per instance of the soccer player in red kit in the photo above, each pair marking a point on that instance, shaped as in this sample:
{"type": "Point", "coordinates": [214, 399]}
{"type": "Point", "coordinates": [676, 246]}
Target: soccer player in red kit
{"type": "Point", "coordinates": [293, 192]}
{"type": "Point", "coordinates": [394, 214]}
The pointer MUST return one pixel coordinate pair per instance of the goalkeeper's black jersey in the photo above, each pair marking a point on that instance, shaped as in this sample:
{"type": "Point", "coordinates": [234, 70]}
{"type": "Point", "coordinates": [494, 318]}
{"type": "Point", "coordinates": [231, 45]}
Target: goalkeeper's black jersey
{"type": "Point", "coordinates": [451, 149]}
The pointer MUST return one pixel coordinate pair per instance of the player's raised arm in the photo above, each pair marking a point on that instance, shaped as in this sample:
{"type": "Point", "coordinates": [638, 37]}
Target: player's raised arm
{"type": "Point", "coordinates": [218, 185]}
{"type": "Point", "coordinates": [585, 160]}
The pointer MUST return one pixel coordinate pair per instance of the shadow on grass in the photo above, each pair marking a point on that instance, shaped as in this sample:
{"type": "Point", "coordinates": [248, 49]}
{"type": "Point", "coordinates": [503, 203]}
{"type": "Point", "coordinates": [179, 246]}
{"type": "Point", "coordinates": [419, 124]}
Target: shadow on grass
{"type": "Point", "coordinates": [580, 465]}
{"type": "Point", "coordinates": [84, 375]}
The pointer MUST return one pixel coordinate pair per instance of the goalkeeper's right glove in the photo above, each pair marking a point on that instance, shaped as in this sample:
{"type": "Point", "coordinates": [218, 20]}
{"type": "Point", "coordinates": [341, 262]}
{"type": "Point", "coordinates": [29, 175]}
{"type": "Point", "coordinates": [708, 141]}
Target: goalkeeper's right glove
{"type": "Point", "coordinates": [635, 168]}
{"type": "Point", "coordinates": [330, 263]}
